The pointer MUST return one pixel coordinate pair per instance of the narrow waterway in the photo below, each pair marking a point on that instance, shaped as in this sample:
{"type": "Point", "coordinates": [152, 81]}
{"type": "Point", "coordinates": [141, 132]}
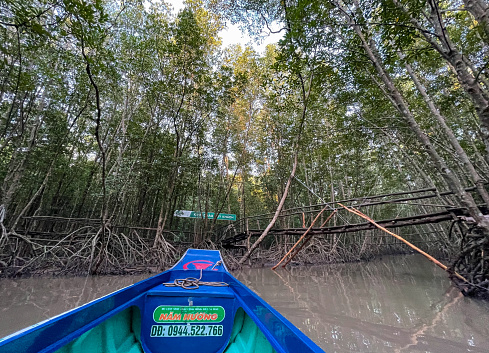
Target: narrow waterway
{"type": "Point", "coordinates": [394, 304]}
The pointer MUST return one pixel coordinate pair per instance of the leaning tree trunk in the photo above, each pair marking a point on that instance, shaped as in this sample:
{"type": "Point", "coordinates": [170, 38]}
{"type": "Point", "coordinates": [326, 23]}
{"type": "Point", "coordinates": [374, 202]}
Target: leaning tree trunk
{"type": "Point", "coordinates": [480, 10]}
{"type": "Point", "coordinates": [476, 178]}
{"type": "Point", "coordinates": [460, 63]}
{"type": "Point", "coordinates": [275, 216]}
{"type": "Point", "coordinates": [402, 106]}
{"type": "Point", "coordinates": [473, 257]}
{"type": "Point", "coordinates": [305, 93]}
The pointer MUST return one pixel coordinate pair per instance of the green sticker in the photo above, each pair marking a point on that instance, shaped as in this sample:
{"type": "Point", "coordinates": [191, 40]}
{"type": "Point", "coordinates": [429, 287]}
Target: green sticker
{"type": "Point", "coordinates": [200, 314]}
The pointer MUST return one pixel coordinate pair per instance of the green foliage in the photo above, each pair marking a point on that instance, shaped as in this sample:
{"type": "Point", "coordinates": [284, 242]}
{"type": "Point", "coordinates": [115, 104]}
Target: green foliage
{"type": "Point", "coordinates": [189, 125]}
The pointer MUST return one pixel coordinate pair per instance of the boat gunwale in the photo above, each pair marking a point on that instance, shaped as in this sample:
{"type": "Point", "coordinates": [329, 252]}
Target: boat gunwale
{"type": "Point", "coordinates": [117, 301]}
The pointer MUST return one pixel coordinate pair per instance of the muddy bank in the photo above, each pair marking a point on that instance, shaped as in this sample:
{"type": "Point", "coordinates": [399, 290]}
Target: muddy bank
{"type": "Point", "coordinates": [79, 259]}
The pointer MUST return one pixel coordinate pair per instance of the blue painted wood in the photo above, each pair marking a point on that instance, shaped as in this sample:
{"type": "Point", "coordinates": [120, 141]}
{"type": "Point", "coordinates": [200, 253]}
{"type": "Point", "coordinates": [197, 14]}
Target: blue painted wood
{"type": "Point", "coordinates": [50, 335]}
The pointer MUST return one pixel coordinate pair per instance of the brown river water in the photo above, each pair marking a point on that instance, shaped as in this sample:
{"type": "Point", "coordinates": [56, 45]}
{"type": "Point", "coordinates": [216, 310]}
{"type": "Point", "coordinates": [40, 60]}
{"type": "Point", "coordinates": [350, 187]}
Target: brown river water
{"type": "Point", "coordinates": [393, 304]}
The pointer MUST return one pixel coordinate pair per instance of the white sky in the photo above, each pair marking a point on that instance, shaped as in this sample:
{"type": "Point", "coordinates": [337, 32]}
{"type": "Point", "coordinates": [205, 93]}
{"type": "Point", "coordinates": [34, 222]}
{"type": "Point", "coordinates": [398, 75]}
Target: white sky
{"type": "Point", "coordinates": [233, 35]}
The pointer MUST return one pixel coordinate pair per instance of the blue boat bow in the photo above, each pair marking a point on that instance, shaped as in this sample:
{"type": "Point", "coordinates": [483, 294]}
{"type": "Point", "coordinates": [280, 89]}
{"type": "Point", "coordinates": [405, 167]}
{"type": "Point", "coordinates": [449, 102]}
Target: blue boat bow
{"type": "Point", "coordinates": [209, 312]}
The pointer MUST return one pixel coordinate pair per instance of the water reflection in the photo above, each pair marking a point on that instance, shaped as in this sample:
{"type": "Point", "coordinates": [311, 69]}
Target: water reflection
{"type": "Point", "coordinates": [397, 304]}
{"type": "Point", "coordinates": [24, 302]}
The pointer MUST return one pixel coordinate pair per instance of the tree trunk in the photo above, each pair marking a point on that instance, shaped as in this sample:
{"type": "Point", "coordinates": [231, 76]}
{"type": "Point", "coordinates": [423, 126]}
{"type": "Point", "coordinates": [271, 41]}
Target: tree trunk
{"type": "Point", "coordinates": [454, 57]}
{"type": "Point", "coordinates": [402, 106]}
{"type": "Point", "coordinates": [478, 181]}
{"type": "Point", "coordinates": [34, 197]}
{"type": "Point", "coordinates": [480, 10]}
{"type": "Point", "coordinates": [163, 215]}
{"type": "Point", "coordinates": [275, 216]}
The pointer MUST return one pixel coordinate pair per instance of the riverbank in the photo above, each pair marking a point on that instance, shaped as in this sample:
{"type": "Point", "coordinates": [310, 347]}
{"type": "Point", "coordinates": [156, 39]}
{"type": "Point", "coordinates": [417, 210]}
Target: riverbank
{"type": "Point", "coordinates": [152, 261]}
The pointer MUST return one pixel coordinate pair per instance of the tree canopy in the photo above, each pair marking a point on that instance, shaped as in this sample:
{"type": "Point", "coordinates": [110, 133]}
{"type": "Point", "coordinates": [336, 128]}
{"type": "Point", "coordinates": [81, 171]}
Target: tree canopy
{"type": "Point", "coordinates": [128, 111]}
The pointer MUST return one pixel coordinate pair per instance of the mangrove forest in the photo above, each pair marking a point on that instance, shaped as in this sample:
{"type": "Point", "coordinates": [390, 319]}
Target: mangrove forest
{"type": "Point", "coordinates": [129, 133]}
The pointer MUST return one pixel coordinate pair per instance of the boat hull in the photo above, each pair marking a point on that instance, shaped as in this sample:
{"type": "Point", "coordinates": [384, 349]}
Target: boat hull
{"type": "Point", "coordinates": [153, 316]}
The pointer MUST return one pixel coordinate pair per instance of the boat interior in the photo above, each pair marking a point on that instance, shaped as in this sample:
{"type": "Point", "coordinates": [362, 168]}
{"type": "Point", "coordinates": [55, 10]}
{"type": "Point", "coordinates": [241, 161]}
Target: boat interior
{"type": "Point", "coordinates": [196, 306]}
{"type": "Point", "coordinates": [134, 330]}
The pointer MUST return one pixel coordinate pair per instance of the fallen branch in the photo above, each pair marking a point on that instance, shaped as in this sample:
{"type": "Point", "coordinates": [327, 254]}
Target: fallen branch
{"type": "Point", "coordinates": [308, 239]}
{"type": "Point", "coordinates": [275, 217]}
{"type": "Point", "coordinates": [302, 237]}
{"type": "Point", "coordinates": [428, 256]}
